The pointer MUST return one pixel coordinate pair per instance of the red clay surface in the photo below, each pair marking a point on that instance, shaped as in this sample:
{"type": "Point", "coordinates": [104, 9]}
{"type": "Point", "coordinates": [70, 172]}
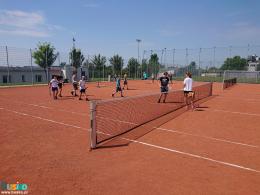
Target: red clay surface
{"type": "Point", "coordinates": [215, 150]}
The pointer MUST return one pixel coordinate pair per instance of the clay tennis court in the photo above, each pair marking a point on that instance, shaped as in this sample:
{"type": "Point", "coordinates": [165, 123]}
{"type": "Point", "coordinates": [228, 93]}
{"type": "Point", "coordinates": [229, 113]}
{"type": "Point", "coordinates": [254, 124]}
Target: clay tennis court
{"type": "Point", "coordinates": [214, 150]}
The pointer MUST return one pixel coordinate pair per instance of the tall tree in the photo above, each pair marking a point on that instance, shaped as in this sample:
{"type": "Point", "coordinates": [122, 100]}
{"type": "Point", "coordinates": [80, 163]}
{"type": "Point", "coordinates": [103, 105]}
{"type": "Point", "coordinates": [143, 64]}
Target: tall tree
{"type": "Point", "coordinates": [117, 63]}
{"type": "Point", "coordinates": [235, 63]}
{"type": "Point", "coordinates": [99, 63]}
{"type": "Point", "coordinates": [154, 63]}
{"type": "Point", "coordinates": [77, 58]}
{"type": "Point", "coordinates": [132, 67]}
{"type": "Point", "coordinates": [45, 56]}
{"type": "Point", "coordinates": [144, 66]}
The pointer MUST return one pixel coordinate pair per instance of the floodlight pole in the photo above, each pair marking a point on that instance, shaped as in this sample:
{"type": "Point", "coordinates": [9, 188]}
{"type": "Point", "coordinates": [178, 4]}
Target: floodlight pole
{"type": "Point", "coordinates": [7, 62]}
{"type": "Point", "coordinates": [165, 57]}
{"type": "Point", "coordinates": [150, 60]}
{"type": "Point", "coordinates": [199, 61]}
{"type": "Point", "coordinates": [173, 56]}
{"type": "Point", "coordinates": [187, 57]}
{"type": "Point", "coordinates": [138, 45]}
{"type": "Point", "coordinates": [214, 56]}
{"type": "Point", "coordinates": [142, 63]}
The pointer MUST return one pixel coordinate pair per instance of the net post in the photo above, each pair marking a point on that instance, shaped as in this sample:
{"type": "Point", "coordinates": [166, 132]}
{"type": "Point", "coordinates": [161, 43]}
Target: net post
{"type": "Point", "coordinates": [93, 132]}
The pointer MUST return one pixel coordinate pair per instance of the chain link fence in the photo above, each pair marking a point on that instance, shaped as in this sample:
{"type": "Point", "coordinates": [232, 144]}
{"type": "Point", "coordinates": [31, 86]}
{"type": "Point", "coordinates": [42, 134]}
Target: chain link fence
{"type": "Point", "coordinates": [18, 67]}
{"type": "Point", "coordinates": [204, 63]}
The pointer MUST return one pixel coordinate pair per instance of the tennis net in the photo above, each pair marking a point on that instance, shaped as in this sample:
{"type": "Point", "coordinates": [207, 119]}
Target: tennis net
{"type": "Point", "coordinates": [111, 118]}
{"type": "Point", "coordinates": [229, 82]}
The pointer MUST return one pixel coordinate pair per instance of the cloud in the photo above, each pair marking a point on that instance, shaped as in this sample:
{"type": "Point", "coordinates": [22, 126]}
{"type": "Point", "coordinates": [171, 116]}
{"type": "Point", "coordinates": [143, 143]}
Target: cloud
{"type": "Point", "coordinates": [16, 22]}
{"type": "Point", "coordinates": [32, 33]}
{"type": "Point", "coordinates": [242, 31]}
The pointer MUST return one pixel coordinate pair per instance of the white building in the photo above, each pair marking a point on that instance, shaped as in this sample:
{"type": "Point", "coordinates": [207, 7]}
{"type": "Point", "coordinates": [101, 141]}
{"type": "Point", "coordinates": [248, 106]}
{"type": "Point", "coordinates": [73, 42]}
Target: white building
{"type": "Point", "coordinates": [253, 63]}
{"type": "Point", "coordinates": [34, 75]}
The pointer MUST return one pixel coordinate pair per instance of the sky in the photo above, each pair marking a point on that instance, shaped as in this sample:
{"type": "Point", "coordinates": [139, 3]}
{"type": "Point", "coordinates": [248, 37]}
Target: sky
{"type": "Point", "coordinates": [112, 26]}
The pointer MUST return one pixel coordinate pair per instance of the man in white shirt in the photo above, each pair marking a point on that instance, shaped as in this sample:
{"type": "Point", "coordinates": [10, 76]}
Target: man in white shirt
{"type": "Point", "coordinates": [189, 95]}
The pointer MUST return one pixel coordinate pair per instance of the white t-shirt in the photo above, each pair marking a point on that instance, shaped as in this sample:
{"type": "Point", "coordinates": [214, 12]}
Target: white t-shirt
{"type": "Point", "coordinates": [82, 84]}
{"type": "Point", "coordinates": [54, 83]}
{"type": "Point", "coordinates": [188, 84]}
{"type": "Point", "coordinates": [73, 79]}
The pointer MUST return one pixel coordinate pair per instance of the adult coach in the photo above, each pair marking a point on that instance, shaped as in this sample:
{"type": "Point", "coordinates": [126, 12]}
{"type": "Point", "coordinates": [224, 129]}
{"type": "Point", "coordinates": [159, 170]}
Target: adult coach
{"type": "Point", "coordinates": [189, 95]}
{"type": "Point", "coordinates": [164, 82]}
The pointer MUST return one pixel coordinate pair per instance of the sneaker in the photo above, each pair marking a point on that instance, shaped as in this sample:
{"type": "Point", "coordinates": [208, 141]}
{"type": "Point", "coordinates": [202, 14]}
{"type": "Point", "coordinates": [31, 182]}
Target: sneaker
{"type": "Point", "coordinates": [80, 99]}
{"type": "Point", "coordinates": [72, 93]}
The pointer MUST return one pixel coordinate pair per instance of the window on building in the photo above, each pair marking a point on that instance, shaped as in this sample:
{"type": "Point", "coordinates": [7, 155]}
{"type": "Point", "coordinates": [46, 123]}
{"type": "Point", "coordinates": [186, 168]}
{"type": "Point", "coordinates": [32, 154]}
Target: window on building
{"type": "Point", "coordinates": [5, 79]}
{"type": "Point", "coordinates": [38, 78]}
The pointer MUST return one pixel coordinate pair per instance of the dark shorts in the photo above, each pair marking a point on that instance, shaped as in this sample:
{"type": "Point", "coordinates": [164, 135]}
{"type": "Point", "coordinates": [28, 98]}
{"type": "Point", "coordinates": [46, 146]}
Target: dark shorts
{"type": "Point", "coordinates": [125, 82]}
{"type": "Point", "coordinates": [75, 86]}
{"type": "Point", "coordinates": [82, 90]}
{"type": "Point", "coordinates": [186, 92]}
{"type": "Point", "coordinates": [60, 85]}
{"type": "Point", "coordinates": [164, 89]}
{"type": "Point", "coordinates": [189, 93]}
{"type": "Point", "coordinates": [118, 89]}
{"type": "Point", "coordinates": [54, 89]}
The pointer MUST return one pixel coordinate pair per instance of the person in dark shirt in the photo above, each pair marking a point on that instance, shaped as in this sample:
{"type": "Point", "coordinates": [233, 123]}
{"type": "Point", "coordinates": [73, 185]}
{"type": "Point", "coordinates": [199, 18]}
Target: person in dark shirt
{"type": "Point", "coordinates": [164, 82]}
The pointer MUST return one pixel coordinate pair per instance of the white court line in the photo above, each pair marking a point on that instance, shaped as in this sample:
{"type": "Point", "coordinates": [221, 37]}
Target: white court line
{"type": "Point", "coordinates": [44, 119]}
{"type": "Point", "coordinates": [53, 108]}
{"type": "Point", "coordinates": [243, 99]}
{"type": "Point", "coordinates": [47, 107]}
{"type": "Point", "coordinates": [207, 137]}
{"type": "Point", "coordinates": [144, 143]}
{"type": "Point", "coordinates": [231, 112]}
{"type": "Point", "coordinates": [163, 129]}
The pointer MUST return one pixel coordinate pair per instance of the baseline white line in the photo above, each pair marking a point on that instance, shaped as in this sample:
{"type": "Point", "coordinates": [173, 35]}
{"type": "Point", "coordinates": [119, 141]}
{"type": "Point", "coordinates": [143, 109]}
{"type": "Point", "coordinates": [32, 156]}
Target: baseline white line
{"type": "Point", "coordinates": [47, 107]}
{"type": "Point", "coordinates": [207, 137]}
{"type": "Point", "coordinates": [233, 112]}
{"type": "Point", "coordinates": [147, 144]}
{"type": "Point", "coordinates": [44, 119]}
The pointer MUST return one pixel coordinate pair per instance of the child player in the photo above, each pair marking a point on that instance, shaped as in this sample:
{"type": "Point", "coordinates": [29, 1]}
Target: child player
{"type": "Point", "coordinates": [82, 88]}
{"type": "Point", "coordinates": [118, 87]}
{"type": "Point", "coordinates": [125, 82]}
{"type": "Point", "coordinates": [54, 87]}
{"type": "Point", "coordinates": [74, 85]}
